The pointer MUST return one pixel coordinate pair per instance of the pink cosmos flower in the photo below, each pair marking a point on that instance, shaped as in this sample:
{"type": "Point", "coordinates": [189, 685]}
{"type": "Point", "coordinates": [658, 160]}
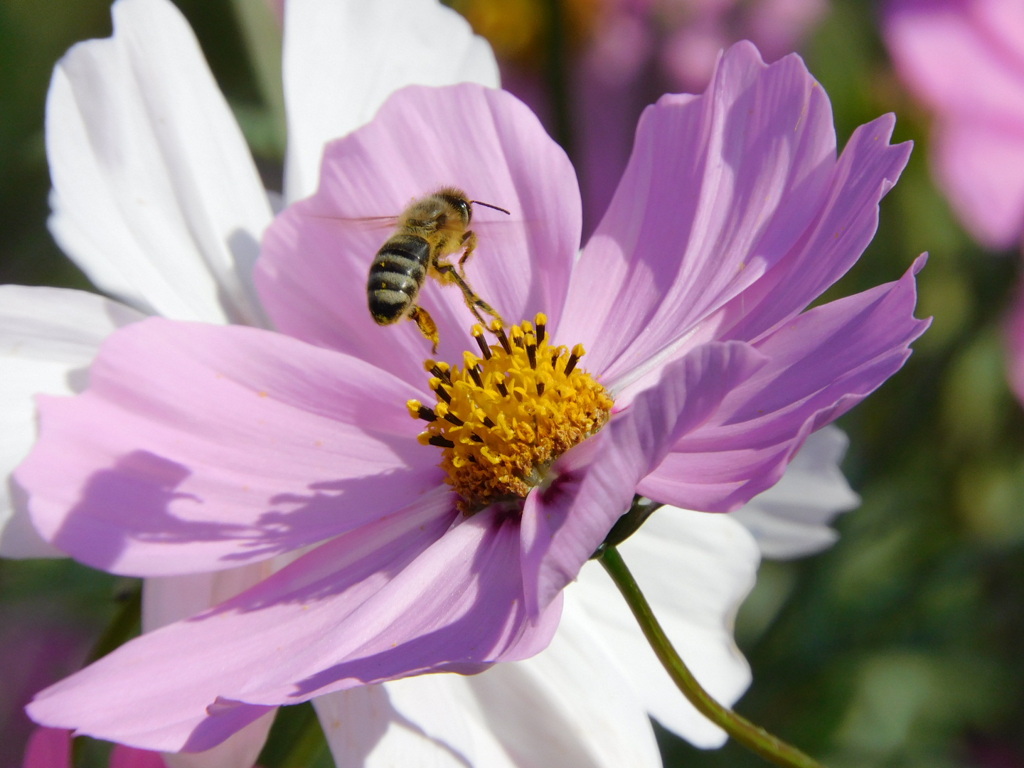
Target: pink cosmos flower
{"type": "Point", "coordinates": [200, 447]}
{"type": "Point", "coordinates": [965, 60]}
{"type": "Point", "coordinates": [132, 223]}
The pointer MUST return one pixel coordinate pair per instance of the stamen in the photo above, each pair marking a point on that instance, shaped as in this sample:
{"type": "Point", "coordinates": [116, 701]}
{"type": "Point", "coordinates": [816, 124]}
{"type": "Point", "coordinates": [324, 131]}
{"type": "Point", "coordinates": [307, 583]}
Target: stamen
{"type": "Point", "coordinates": [475, 373]}
{"type": "Point", "coordinates": [499, 332]}
{"type": "Point", "coordinates": [440, 370]}
{"type": "Point", "coordinates": [577, 353]}
{"type": "Point", "coordinates": [478, 334]}
{"type": "Point", "coordinates": [506, 415]}
{"type": "Point", "coordinates": [419, 411]}
{"type": "Point", "coordinates": [438, 386]}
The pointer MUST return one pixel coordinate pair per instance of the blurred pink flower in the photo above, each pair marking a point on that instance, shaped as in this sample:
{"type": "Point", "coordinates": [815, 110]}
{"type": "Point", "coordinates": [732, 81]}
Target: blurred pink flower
{"type": "Point", "coordinates": [964, 59]}
{"type": "Point", "coordinates": [51, 748]}
{"type": "Point", "coordinates": [640, 49]}
{"type": "Point", "coordinates": [39, 644]}
{"type": "Point", "coordinates": [200, 447]}
{"type": "Point", "coordinates": [1014, 334]}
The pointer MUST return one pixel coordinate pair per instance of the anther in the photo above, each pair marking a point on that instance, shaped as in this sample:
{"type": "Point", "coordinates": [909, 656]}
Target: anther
{"type": "Point", "coordinates": [478, 334]}
{"type": "Point", "coordinates": [542, 324]}
{"type": "Point", "coordinates": [451, 418]}
{"type": "Point", "coordinates": [577, 353]}
{"type": "Point", "coordinates": [440, 441]}
{"type": "Point", "coordinates": [419, 411]}
{"type": "Point", "coordinates": [442, 371]}
{"type": "Point", "coordinates": [500, 386]}
{"type": "Point", "coordinates": [474, 372]}
{"type": "Point", "coordinates": [540, 387]}
{"type": "Point", "coordinates": [438, 386]}
{"type": "Point", "coordinates": [531, 353]}
{"type": "Point", "coordinates": [499, 332]}
{"type": "Point", "coordinates": [475, 437]}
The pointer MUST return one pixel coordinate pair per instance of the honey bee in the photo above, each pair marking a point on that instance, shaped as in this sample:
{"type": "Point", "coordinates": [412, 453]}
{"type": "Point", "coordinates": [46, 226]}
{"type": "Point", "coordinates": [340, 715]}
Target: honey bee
{"type": "Point", "coordinates": [429, 232]}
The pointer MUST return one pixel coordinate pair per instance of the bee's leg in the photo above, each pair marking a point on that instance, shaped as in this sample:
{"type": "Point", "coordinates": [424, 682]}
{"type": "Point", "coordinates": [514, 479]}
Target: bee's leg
{"type": "Point", "coordinates": [426, 325]}
{"type": "Point", "coordinates": [469, 245]}
{"type": "Point", "coordinates": [448, 274]}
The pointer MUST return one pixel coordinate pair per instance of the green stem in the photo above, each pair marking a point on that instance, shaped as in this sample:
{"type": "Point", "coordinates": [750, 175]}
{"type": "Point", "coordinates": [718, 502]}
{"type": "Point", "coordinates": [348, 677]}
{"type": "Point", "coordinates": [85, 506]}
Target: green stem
{"type": "Point", "coordinates": [557, 74]}
{"type": "Point", "coordinates": [262, 37]}
{"type": "Point", "coordinates": [124, 626]}
{"type": "Point", "coordinates": [753, 737]}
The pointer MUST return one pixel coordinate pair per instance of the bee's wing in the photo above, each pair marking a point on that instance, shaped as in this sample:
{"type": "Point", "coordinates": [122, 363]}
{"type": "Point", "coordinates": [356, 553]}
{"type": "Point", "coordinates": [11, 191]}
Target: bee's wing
{"type": "Point", "coordinates": [362, 222]}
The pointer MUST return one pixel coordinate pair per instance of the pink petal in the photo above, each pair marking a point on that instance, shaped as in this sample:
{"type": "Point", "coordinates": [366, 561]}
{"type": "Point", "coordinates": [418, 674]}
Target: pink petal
{"type": "Point", "coordinates": [403, 596]}
{"type": "Point", "coordinates": [48, 337]}
{"type": "Point", "coordinates": [718, 189]}
{"type": "Point", "coordinates": [313, 272]}
{"type": "Point", "coordinates": [820, 365]}
{"type": "Point", "coordinates": [564, 524]}
{"type": "Point", "coordinates": [168, 599]}
{"type": "Point", "coordinates": [199, 447]}
{"type": "Point", "coordinates": [844, 225]}
{"type": "Point", "coordinates": [240, 750]}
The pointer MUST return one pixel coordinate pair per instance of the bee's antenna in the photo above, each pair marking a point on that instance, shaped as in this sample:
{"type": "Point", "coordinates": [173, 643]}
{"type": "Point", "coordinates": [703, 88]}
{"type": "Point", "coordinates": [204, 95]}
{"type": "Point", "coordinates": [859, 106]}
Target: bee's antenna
{"type": "Point", "coordinates": [488, 205]}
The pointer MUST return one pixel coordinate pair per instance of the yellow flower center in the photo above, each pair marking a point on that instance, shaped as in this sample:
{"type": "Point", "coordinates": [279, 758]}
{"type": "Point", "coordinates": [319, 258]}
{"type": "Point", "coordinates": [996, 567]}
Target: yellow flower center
{"type": "Point", "coordinates": [508, 413]}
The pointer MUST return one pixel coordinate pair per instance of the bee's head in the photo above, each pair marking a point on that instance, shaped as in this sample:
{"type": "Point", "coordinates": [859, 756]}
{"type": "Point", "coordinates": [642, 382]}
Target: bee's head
{"type": "Point", "coordinates": [457, 199]}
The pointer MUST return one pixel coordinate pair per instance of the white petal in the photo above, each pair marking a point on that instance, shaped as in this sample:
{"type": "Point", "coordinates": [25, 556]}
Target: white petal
{"type": "Point", "coordinates": [156, 196]}
{"type": "Point", "coordinates": [342, 60]}
{"type": "Point", "coordinates": [48, 337]}
{"type": "Point", "coordinates": [695, 569]}
{"type": "Point", "coordinates": [792, 518]}
{"type": "Point", "coordinates": [430, 721]}
{"type": "Point", "coordinates": [569, 706]}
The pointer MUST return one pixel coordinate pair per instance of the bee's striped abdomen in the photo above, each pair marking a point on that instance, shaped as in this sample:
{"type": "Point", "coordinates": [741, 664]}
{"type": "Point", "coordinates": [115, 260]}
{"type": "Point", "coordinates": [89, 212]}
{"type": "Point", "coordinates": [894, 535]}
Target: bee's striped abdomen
{"type": "Point", "coordinates": [397, 274]}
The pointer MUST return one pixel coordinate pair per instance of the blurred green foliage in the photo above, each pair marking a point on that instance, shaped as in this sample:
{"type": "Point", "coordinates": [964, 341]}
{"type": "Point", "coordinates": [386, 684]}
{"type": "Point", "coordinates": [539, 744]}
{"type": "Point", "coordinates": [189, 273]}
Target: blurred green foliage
{"type": "Point", "coordinates": [898, 648]}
